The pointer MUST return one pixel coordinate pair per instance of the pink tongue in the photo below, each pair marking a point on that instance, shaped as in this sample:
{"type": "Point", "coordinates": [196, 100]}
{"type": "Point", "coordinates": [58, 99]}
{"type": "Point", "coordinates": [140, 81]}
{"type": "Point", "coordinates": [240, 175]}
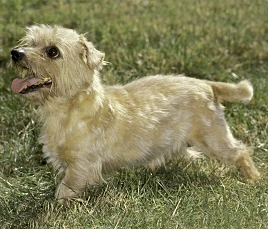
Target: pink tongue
{"type": "Point", "coordinates": [18, 85]}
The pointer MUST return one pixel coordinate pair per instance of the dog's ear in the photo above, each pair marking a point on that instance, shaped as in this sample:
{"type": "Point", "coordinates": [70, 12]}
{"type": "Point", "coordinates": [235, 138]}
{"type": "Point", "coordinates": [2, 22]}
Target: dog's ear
{"type": "Point", "coordinates": [90, 55]}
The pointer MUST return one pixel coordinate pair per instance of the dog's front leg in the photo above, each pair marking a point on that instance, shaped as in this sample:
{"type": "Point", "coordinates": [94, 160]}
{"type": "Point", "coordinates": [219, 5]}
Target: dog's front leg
{"type": "Point", "coordinates": [77, 177]}
{"type": "Point", "coordinates": [70, 186]}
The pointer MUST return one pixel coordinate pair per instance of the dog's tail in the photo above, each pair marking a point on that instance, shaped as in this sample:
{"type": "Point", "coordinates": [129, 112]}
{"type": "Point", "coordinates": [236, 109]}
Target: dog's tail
{"type": "Point", "coordinates": [241, 92]}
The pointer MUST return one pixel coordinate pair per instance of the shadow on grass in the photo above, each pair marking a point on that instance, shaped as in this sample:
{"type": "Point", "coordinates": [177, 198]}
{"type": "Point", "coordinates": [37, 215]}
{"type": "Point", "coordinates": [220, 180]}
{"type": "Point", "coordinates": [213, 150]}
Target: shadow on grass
{"type": "Point", "coordinates": [28, 201]}
{"type": "Point", "coordinates": [170, 180]}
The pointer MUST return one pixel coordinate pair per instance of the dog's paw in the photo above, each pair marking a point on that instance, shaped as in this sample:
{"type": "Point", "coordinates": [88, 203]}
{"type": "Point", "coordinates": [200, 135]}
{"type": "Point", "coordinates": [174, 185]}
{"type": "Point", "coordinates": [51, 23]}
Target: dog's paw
{"type": "Point", "coordinates": [64, 194]}
{"type": "Point", "coordinates": [247, 168]}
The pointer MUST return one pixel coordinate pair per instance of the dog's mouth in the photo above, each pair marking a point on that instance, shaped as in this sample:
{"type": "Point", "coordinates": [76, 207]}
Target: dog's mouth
{"type": "Point", "coordinates": [30, 84]}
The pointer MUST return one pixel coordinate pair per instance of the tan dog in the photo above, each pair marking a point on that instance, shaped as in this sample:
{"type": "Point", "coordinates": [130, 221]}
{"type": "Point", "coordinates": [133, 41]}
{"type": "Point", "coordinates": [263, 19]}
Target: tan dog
{"type": "Point", "coordinates": [89, 127]}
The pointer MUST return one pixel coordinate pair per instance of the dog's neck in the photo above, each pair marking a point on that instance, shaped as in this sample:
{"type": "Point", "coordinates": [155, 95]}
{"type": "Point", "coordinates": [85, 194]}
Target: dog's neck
{"type": "Point", "coordinates": [92, 93]}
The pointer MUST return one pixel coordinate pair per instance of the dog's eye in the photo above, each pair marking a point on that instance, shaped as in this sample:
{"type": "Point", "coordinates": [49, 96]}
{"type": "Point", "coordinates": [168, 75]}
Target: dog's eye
{"type": "Point", "coordinates": [53, 52]}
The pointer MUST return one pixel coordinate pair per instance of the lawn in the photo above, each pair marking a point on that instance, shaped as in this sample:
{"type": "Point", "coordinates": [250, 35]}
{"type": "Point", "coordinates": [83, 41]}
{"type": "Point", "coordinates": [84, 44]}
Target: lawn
{"type": "Point", "coordinates": [214, 40]}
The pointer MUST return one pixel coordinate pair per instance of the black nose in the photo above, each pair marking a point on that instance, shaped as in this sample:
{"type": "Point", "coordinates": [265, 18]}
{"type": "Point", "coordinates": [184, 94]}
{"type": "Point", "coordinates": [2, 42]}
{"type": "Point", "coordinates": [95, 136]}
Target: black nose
{"type": "Point", "coordinates": [17, 54]}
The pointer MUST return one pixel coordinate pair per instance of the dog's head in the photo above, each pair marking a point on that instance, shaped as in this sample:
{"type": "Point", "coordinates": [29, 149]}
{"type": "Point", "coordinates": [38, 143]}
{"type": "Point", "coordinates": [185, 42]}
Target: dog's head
{"type": "Point", "coordinates": [54, 61]}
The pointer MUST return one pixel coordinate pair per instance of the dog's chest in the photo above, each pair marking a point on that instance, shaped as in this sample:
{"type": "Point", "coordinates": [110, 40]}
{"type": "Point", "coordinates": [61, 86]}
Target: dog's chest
{"type": "Point", "coordinates": [65, 132]}
{"type": "Point", "coordinates": [52, 135]}
{"type": "Point", "coordinates": [53, 131]}
{"type": "Point", "coordinates": [54, 118]}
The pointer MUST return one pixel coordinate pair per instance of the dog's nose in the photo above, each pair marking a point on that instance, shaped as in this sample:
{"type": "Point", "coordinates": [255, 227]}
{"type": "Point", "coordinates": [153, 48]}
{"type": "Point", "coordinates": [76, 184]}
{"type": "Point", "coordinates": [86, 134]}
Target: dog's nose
{"type": "Point", "coordinates": [17, 54]}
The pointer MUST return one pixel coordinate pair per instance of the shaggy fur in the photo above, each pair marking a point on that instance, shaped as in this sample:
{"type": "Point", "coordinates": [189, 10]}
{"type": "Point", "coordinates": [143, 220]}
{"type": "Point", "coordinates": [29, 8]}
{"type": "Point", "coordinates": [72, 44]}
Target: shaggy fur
{"type": "Point", "coordinates": [88, 127]}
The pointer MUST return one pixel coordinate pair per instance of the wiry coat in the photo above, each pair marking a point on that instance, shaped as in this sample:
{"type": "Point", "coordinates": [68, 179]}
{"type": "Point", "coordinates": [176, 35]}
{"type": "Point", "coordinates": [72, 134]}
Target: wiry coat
{"type": "Point", "coordinates": [88, 127]}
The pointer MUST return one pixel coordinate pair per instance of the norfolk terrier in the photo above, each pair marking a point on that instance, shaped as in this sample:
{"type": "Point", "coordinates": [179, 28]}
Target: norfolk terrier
{"type": "Point", "coordinates": [88, 127]}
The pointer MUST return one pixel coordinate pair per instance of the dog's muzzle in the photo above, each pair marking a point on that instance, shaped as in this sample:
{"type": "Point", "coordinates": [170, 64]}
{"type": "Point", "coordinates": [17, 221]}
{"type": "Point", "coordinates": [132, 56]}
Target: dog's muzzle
{"type": "Point", "coordinates": [17, 54]}
{"type": "Point", "coordinates": [30, 82]}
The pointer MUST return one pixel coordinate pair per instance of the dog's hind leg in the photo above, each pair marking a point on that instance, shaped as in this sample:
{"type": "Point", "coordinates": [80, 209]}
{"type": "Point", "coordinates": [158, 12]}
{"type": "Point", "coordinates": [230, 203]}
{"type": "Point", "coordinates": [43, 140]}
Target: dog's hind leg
{"type": "Point", "coordinates": [217, 141]}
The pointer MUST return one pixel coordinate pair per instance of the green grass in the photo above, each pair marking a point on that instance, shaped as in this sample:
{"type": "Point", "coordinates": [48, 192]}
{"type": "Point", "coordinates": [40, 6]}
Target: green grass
{"type": "Point", "coordinates": [215, 40]}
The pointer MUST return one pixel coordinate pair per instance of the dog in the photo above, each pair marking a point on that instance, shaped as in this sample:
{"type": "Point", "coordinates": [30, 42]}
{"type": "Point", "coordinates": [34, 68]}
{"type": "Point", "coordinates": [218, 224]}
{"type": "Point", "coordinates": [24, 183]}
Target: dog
{"type": "Point", "coordinates": [89, 128]}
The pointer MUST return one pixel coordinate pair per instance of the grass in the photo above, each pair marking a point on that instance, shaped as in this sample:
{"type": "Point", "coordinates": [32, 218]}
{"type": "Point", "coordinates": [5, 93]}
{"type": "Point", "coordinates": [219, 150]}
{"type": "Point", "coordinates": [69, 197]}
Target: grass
{"type": "Point", "coordinates": [215, 40]}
